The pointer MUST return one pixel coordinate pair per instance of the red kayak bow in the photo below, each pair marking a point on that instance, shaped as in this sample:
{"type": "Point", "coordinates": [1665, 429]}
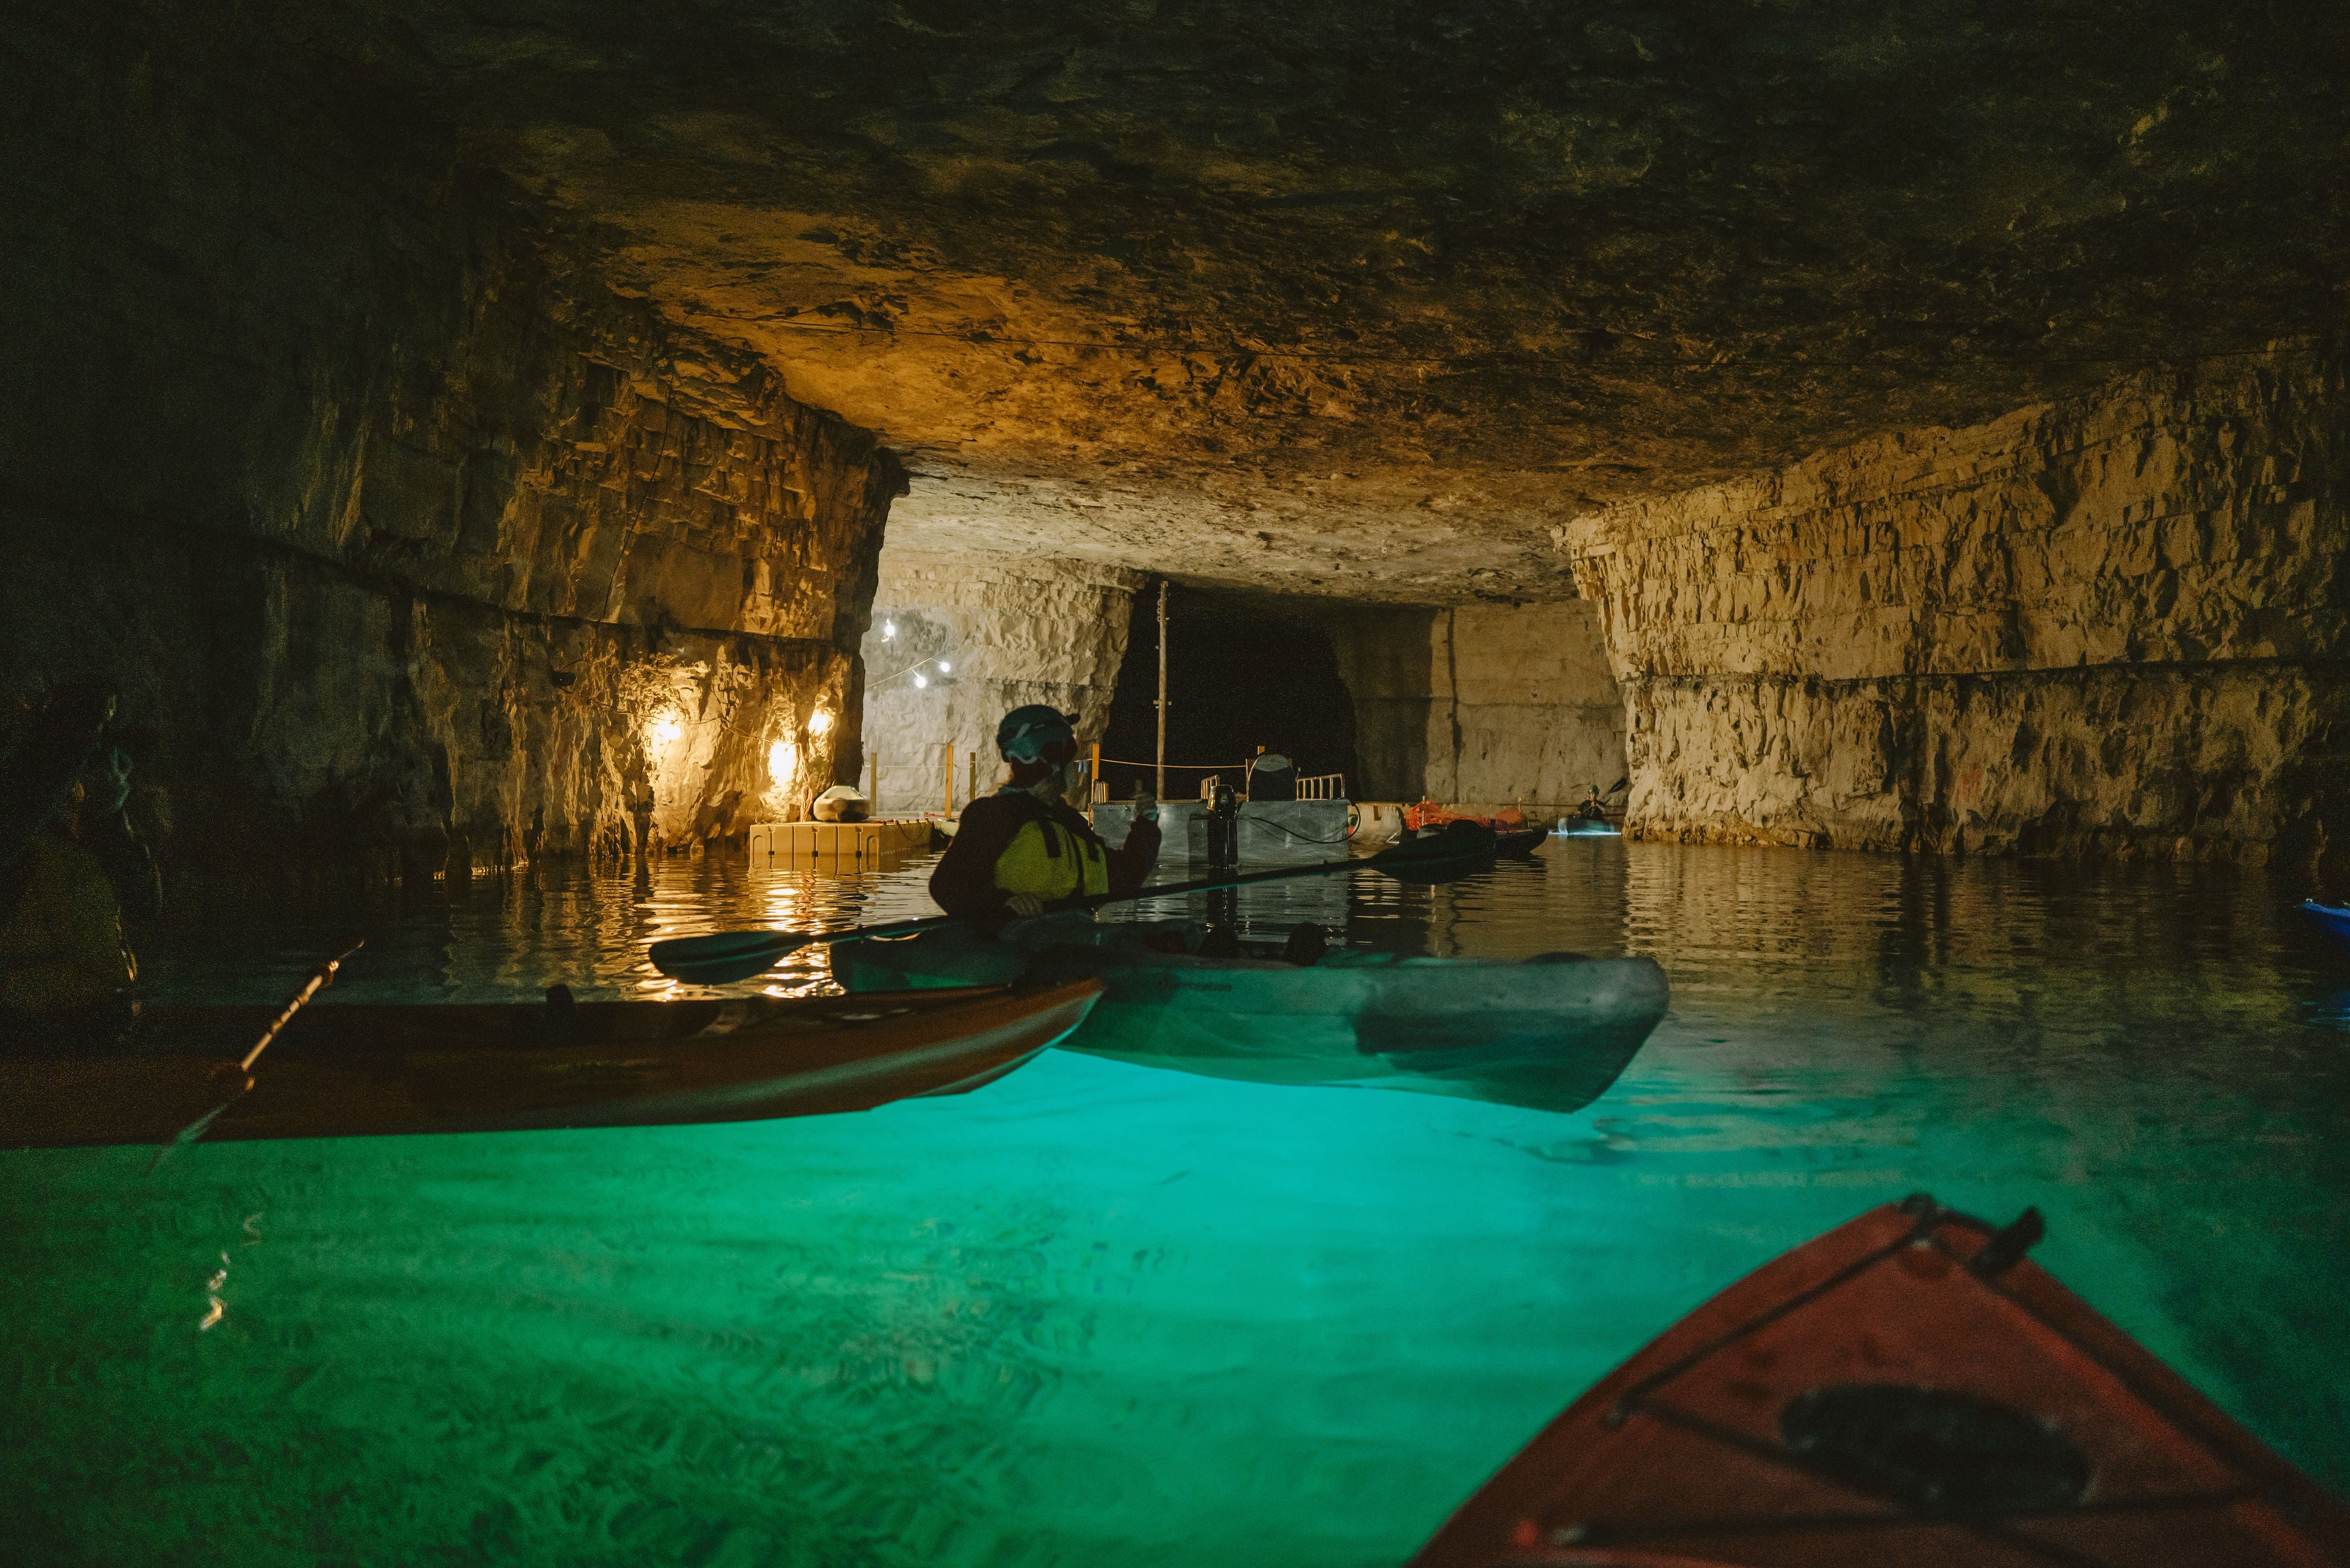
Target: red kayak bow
{"type": "Point", "coordinates": [1906, 1391]}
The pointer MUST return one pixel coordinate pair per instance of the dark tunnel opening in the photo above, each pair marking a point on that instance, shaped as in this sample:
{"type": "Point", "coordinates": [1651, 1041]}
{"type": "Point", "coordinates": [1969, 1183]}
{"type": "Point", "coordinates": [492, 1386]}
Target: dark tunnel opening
{"type": "Point", "coordinates": [1242, 671]}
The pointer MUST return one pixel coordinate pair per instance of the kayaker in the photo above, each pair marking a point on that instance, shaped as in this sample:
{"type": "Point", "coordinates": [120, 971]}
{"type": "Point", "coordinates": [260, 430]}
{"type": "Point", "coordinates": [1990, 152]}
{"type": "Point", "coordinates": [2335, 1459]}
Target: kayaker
{"type": "Point", "coordinates": [72, 865]}
{"type": "Point", "coordinates": [1025, 847]}
{"type": "Point", "coordinates": [1594, 809]}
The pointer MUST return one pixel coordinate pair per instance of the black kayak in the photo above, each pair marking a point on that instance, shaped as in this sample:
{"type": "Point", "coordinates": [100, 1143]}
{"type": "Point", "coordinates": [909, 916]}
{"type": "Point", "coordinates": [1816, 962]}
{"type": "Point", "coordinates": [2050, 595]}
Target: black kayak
{"type": "Point", "coordinates": [1521, 843]}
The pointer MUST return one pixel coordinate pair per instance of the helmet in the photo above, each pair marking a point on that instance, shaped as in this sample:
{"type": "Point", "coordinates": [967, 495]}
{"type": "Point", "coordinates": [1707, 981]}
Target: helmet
{"type": "Point", "coordinates": [1027, 732]}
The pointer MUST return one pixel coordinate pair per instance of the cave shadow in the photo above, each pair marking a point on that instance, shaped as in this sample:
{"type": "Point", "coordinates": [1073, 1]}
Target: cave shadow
{"type": "Point", "coordinates": [1242, 671]}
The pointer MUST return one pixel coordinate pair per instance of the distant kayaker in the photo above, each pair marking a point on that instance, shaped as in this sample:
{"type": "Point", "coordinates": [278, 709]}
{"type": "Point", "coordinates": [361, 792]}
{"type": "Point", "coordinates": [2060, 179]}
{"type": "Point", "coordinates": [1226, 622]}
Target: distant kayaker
{"type": "Point", "coordinates": [72, 865]}
{"type": "Point", "coordinates": [1594, 809]}
{"type": "Point", "coordinates": [1025, 847]}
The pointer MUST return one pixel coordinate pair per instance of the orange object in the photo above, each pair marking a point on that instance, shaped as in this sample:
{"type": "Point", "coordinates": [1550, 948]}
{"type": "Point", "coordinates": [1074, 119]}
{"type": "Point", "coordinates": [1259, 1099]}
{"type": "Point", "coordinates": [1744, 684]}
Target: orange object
{"type": "Point", "coordinates": [1429, 814]}
{"type": "Point", "coordinates": [1903, 1392]}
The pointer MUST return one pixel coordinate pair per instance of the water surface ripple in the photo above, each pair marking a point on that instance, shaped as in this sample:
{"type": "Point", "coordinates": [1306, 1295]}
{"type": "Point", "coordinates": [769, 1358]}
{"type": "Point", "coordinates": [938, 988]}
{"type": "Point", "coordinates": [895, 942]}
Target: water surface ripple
{"type": "Point", "coordinates": [1097, 1312]}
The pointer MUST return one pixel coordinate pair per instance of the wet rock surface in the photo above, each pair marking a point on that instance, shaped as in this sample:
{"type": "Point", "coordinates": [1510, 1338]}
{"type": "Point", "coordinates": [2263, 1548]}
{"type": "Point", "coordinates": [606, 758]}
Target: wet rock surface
{"type": "Point", "coordinates": [1367, 301]}
{"type": "Point", "coordinates": [1488, 705]}
{"type": "Point", "coordinates": [1012, 633]}
{"type": "Point", "coordinates": [456, 424]}
{"type": "Point", "coordinates": [2112, 624]}
{"type": "Point", "coordinates": [408, 548]}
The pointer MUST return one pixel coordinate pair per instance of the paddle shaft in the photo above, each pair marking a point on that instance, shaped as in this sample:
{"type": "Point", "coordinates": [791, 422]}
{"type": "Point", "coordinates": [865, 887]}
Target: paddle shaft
{"type": "Point", "coordinates": [320, 978]}
{"type": "Point", "coordinates": [1093, 901]}
{"type": "Point", "coordinates": [744, 957]}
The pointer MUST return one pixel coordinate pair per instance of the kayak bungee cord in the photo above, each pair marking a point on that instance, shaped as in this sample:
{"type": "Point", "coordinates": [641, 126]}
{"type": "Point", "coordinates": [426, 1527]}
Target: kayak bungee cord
{"type": "Point", "coordinates": [723, 957]}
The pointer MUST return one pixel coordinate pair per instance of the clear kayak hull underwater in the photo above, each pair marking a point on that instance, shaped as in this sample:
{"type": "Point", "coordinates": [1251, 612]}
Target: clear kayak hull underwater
{"type": "Point", "coordinates": [1550, 1033]}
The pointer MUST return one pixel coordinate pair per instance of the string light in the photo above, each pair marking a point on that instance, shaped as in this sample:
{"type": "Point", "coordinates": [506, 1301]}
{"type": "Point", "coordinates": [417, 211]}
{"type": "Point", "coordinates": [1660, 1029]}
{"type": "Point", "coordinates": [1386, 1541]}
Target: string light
{"type": "Point", "coordinates": [922, 680]}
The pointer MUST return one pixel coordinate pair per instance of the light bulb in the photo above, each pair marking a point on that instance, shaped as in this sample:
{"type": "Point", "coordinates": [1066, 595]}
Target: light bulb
{"type": "Point", "coordinates": [888, 629]}
{"type": "Point", "coordinates": [780, 757]}
{"type": "Point", "coordinates": [668, 729]}
{"type": "Point", "coordinates": [819, 721]}
{"type": "Point", "coordinates": [922, 680]}
{"type": "Point", "coordinates": [944, 668]}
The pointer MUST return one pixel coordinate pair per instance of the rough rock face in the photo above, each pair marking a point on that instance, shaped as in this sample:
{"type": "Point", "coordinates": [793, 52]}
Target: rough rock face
{"type": "Point", "coordinates": [2111, 625]}
{"type": "Point", "coordinates": [1484, 704]}
{"type": "Point", "coordinates": [411, 548]}
{"type": "Point", "coordinates": [419, 407]}
{"type": "Point", "coordinates": [1013, 634]}
{"type": "Point", "coordinates": [1363, 300]}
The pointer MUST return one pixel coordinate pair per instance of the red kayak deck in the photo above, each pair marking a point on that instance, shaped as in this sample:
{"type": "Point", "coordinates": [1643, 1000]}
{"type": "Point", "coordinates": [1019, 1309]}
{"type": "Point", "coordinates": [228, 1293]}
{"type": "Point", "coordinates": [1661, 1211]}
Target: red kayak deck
{"type": "Point", "coordinates": [1903, 1392]}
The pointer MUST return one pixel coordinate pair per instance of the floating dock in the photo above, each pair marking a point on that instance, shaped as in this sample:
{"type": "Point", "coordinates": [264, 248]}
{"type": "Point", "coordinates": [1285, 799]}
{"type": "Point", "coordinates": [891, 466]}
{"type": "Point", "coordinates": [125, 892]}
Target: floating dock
{"type": "Point", "coordinates": [837, 846]}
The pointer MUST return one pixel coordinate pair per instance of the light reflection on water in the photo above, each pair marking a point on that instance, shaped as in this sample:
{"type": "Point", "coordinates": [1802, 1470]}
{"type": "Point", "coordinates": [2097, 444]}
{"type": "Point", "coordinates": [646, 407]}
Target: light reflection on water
{"type": "Point", "coordinates": [1099, 1313]}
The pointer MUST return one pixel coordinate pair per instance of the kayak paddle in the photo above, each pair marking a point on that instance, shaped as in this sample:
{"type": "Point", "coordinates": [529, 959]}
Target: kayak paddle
{"type": "Point", "coordinates": [724, 957]}
{"type": "Point", "coordinates": [319, 979]}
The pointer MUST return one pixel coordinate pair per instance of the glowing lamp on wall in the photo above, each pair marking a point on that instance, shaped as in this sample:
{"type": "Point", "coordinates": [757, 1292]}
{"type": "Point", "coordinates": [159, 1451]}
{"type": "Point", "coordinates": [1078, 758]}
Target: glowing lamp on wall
{"type": "Point", "coordinates": [781, 758]}
{"type": "Point", "coordinates": [819, 722]}
{"type": "Point", "coordinates": [944, 668]}
{"type": "Point", "coordinates": [888, 629]}
{"type": "Point", "coordinates": [922, 680]}
{"type": "Point", "coordinates": [668, 729]}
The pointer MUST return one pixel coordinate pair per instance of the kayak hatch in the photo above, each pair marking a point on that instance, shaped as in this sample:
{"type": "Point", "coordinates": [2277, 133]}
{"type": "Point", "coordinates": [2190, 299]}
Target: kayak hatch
{"type": "Point", "coordinates": [1906, 1391]}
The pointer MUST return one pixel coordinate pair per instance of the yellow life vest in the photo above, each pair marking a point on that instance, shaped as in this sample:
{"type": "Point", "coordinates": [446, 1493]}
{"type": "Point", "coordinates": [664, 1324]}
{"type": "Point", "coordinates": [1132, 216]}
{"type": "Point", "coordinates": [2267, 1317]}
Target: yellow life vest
{"type": "Point", "coordinates": [1048, 861]}
{"type": "Point", "coordinates": [61, 947]}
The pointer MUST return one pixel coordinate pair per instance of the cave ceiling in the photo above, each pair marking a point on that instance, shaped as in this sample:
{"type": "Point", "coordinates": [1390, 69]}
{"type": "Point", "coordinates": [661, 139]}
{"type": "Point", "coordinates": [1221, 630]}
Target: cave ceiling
{"type": "Point", "coordinates": [1368, 299]}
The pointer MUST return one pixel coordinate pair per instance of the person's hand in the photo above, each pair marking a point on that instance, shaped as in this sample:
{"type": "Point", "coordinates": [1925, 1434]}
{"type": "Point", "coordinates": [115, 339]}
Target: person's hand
{"type": "Point", "coordinates": [1024, 905]}
{"type": "Point", "coordinates": [1146, 806]}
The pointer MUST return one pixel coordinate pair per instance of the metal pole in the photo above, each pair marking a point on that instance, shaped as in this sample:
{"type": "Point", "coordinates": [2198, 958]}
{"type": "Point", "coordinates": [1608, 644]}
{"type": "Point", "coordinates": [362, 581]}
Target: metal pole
{"type": "Point", "coordinates": [1161, 788]}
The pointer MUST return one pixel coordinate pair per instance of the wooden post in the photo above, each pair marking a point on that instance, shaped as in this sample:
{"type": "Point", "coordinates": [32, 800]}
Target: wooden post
{"type": "Point", "coordinates": [972, 793]}
{"type": "Point", "coordinates": [1093, 780]}
{"type": "Point", "coordinates": [950, 810]}
{"type": "Point", "coordinates": [1160, 787]}
{"type": "Point", "coordinates": [873, 790]}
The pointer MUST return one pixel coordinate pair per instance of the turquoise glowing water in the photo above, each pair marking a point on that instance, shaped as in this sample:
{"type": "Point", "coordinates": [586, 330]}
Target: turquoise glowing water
{"type": "Point", "coordinates": [1100, 1313]}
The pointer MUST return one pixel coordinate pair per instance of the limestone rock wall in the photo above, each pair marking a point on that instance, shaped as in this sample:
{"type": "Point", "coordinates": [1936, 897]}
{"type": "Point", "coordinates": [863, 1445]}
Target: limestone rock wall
{"type": "Point", "coordinates": [407, 547]}
{"type": "Point", "coordinates": [1012, 632]}
{"type": "Point", "coordinates": [1481, 703]}
{"type": "Point", "coordinates": [2115, 625]}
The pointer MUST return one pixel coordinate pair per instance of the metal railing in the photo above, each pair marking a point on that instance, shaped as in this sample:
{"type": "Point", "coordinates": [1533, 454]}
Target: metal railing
{"type": "Point", "coordinates": [1313, 787]}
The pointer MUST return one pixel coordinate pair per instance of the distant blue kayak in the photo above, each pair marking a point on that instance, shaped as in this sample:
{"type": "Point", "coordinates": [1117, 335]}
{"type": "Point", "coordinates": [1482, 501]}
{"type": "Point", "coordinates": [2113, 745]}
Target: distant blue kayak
{"type": "Point", "coordinates": [2334, 919]}
{"type": "Point", "coordinates": [1582, 827]}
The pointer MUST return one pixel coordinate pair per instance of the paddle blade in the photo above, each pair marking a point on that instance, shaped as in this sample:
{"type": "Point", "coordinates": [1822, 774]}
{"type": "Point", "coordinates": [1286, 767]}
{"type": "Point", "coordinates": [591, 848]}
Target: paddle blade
{"type": "Point", "coordinates": [1461, 848]}
{"type": "Point", "coordinates": [722, 957]}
